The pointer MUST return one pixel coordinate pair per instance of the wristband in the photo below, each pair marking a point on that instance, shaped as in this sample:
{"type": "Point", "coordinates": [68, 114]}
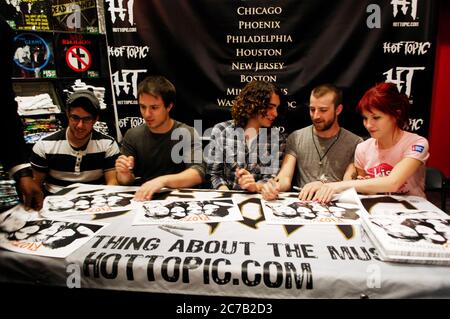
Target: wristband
{"type": "Point", "coordinates": [24, 172]}
{"type": "Point", "coordinates": [323, 179]}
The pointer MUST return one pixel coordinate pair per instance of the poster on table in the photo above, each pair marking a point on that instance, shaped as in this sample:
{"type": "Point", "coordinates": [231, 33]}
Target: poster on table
{"type": "Point", "coordinates": [27, 234]}
{"type": "Point", "coordinates": [343, 209]}
{"type": "Point", "coordinates": [87, 203]}
{"type": "Point", "coordinates": [413, 236]}
{"type": "Point", "coordinates": [386, 204]}
{"type": "Point", "coordinates": [187, 211]}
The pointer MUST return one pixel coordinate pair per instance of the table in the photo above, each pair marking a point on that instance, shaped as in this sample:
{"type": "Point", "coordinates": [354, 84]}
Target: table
{"type": "Point", "coordinates": [249, 258]}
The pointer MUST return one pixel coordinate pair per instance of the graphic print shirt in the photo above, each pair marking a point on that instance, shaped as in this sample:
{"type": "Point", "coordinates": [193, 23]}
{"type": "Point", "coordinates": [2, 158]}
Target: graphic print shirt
{"type": "Point", "coordinates": [380, 162]}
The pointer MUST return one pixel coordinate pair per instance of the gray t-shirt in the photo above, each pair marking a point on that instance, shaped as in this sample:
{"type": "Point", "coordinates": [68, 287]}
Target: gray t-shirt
{"type": "Point", "coordinates": [333, 164]}
{"type": "Point", "coordinates": [153, 152]}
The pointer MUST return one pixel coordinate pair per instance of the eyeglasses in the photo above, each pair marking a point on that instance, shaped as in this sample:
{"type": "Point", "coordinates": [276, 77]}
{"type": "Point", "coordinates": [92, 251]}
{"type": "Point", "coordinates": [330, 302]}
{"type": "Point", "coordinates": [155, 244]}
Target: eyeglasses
{"type": "Point", "coordinates": [77, 119]}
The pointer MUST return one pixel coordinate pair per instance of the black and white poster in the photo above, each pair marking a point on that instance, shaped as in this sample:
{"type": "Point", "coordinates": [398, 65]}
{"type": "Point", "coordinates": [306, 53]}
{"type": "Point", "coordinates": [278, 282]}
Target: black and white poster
{"type": "Point", "coordinates": [44, 237]}
{"type": "Point", "coordinates": [190, 211]}
{"type": "Point", "coordinates": [410, 236]}
{"type": "Point", "coordinates": [93, 203]}
{"type": "Point", "coordinates": [343, 209]}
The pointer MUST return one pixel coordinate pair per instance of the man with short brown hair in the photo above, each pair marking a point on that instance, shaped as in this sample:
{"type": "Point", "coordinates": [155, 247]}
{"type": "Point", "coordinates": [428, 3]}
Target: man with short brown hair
{"type": "Point", "coordinates": [322, 151]}
{"type": "Point", "coordinates": [147, 150]}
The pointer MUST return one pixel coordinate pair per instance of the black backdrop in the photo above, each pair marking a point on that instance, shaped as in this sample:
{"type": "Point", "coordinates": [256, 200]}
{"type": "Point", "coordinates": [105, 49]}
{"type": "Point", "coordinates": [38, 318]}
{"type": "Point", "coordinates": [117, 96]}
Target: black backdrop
{"type": "Point", "coordinates": [211, 49]}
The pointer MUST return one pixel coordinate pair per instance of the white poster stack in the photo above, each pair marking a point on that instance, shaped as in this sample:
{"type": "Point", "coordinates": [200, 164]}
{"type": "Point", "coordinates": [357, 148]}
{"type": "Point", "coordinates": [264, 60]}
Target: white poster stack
{"type": "Point", "coordinates": [409, 235]}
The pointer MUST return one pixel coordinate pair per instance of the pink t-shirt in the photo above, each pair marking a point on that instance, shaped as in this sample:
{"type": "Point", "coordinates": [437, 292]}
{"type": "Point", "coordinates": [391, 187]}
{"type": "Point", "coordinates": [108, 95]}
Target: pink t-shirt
{"type": "Point", "coordinates": [376, 162]}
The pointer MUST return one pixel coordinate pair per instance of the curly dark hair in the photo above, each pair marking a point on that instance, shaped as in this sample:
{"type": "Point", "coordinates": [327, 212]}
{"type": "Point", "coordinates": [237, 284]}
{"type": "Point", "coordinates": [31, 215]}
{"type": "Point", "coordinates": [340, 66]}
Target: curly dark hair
{"type": "Point", "coordinates": [253, 99]}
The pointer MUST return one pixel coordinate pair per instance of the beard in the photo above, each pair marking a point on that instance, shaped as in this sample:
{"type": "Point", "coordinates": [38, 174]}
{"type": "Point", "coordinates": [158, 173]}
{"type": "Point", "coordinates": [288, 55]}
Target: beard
{"type": "Point", "coordinates": [324, 125]}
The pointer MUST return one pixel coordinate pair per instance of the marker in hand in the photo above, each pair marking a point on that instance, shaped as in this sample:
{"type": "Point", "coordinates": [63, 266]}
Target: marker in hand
{"type": "Point", "coordinates": [129, 162]}
{"type": "Point", "coordinates": [235, 166]}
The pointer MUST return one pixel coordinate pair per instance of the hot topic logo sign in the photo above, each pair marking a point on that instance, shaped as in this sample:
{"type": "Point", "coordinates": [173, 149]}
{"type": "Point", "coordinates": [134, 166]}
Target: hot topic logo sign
{"type": "Point", "coordinates": [402, 77]}
{"type": "Point", "coordinates": [400, 9]}
{"type": "Point", "coordinates": [408, 8]}
{"type": "Point", "coordinates": [405, 6]}
{"type": "Point", "coordinates": [122, 9]}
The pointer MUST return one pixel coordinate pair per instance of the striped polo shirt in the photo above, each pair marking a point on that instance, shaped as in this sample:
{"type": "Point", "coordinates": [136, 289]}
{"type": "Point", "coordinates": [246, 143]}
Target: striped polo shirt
{"type": "Point", "coordinates": [65, 165]}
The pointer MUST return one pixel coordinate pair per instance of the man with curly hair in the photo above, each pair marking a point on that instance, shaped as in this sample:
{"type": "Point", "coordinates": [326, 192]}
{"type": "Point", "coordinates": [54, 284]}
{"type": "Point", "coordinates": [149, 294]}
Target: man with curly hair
{"type": "Point", "coordinates": [246, 151]}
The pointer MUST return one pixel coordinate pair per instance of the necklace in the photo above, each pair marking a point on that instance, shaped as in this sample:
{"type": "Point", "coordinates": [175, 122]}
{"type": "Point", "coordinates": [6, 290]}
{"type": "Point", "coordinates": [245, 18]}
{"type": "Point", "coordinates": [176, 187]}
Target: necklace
{"type": "Point", "coordinates": [329, 147]}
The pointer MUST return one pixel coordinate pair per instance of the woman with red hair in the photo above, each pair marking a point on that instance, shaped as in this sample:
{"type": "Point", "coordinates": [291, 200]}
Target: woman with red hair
{"type": "Point", "coordinates": [392, 160]}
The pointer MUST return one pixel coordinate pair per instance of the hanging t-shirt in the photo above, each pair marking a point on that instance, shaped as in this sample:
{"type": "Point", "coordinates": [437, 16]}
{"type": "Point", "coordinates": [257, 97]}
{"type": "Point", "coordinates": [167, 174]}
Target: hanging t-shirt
{"type": "Point", "coordinates": [380, 162]}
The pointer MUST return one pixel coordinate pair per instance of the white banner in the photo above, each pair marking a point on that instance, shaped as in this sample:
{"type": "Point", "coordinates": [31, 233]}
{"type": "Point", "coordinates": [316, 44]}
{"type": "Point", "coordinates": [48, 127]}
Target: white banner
{"type": "Point", "coordinates": [248, 258]}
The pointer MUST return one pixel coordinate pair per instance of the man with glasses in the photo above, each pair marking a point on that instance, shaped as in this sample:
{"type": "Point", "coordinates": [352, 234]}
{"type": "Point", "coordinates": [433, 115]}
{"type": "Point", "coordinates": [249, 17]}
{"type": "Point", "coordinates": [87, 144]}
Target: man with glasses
{"type": "Point", "coordinates": [77, 154]}
{"type": "Point", "coordinates": [150, 151]}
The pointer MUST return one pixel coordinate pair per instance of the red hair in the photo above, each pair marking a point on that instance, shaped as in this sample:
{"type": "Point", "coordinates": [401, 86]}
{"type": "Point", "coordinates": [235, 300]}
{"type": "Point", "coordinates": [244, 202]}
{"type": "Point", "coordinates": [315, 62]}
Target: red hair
{"type": "Point", "coordinates": [386, 98]}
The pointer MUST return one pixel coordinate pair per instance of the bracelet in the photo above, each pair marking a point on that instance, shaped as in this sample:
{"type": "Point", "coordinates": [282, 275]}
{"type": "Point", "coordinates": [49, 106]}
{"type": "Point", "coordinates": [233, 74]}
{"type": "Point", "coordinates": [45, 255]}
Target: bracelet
{"type": "Point", "coordinates": [323, 179]}
{"type": "Point", "coordinates": [24, 172]}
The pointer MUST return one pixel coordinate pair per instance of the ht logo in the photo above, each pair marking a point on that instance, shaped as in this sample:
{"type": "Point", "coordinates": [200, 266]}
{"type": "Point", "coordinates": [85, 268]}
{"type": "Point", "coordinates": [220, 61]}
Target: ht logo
{"type": "Point", "coordinates": [120, 11]}
{"type": "Point", "coordinates": [120, 81]}
{"type": "Point", "coordinates": [405, 73]}
{"type": "Point", "coordinates": [373, 20]}
{"type": "Point", "coordinates": [404, 6]}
